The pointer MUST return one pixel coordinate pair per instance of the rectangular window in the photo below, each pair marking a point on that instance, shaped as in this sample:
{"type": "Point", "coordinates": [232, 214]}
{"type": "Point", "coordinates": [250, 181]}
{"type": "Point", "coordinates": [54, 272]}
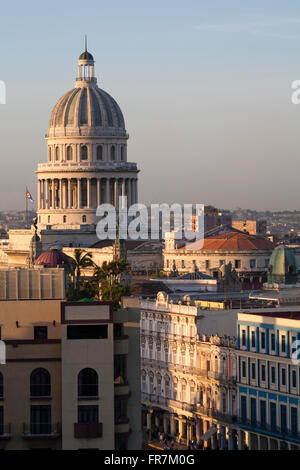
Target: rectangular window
{"type": "Point", "coordinates": [207, 263]}
{"type": "Point", "coordinates": [244, 409]}
{"type": "Point", "coordinates": [40, 332]}
{"type": "Point", "coordinates": [273, 412]}
{"type": "Point", "coordinates": [283, 377]}
{"type": "Point", "coordinates": [273, 344]}
{"type": "Point", "coordinates": [221, 262]}
{"type": "Point", "coordinates": [294, 420]}
{"type": "Point", "coordinates": [283, 418]}
{"type": "Point", "coordinates": [283, 344]}
{"type": "Point", "coordinates": [88, 414]}
{"type": "Point", "coordinates": [253, 371]}
{"type": "Point", "coordinates": [293, 344]}
{"type": "Point", "coordinates": [87, 332]}
{"type": "Point", "coordinates": [253, 339]}
{"type": "Point", "coordinates": [244, 338]}
{"type": "Point", "coordinates": [237, 263]}
{"type": "Point", "coordinates": [263, 413]}
{"type": "Point", "coordinates": [182, 263]}
{"type": "Point", "coordinates": [263, 340]}
{"type": "Point", "coordinates": [253, 411]}
{"type": "Point", "coordinates": [294, 379]}
{"type": "Point", "coordinates": [243, 368]}
{"type": "Point", "coordinates": [252, 263]}
{"type": "Point", "coordinates": [263, 373]}
{"type": "Point", "coordinates": [40, 419]}
{"type": "Point", "coordinates": [266, 262]}
{"type": "Point", "coordinates": [273, 375]}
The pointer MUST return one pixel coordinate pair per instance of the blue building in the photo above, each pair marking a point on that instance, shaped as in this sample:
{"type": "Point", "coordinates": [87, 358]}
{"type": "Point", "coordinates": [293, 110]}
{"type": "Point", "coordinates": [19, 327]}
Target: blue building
{"type": "Point", "coordinates": [268, 379]}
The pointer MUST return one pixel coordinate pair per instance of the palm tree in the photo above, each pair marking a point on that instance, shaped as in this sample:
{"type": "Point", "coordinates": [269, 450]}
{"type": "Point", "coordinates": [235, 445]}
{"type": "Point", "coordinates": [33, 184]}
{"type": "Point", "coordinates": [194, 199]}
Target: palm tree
{"type": "Point", "coordinates": [82, 259]}
{"type": "Point", "coordinates": [108, 278]}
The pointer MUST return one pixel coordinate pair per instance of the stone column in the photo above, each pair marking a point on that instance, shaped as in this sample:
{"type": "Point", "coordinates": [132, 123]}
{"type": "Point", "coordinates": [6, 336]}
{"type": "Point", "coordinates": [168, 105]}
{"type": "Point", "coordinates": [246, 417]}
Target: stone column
{"type": "Point", "coordinates": [123, 191]}
{"type": "Point", "coordinates": [129, 198]}
{"type": "Point", "coordinates": [88, 193]}
{"type": "Point", "coordinates": [166, 419]}
{"type": "Point", "coordinates": [136, 191]}
{"type": "Point", "coordinates": [53, 194]}
{"type": "Point", "coordinates": [69, 205]}
{"type": "Point", "coordinates": [98, 198]}
{"type": "Point", "coordinates": [133, 191]}
{"type": "Point", "coordinates": [180, 422]}
{"type": "Point", "coordinates": [61, 198]}
{"type": "Point", "coordinates": [172, 425]}
{"type": "Point", "coordinates": [149, 424]}
{"type": "Point", "coordinates": [240, 440]}
{"type": "Point", "coordinates": [116, 193]}
{"type": "Point", "coordinates": [198, 429]}
{"type": "Point", "coordinates": [107, 191]}
{"type": "Point", "coordinates": [39, 194]}
{"type": "Point", "coordinates": [78, 193]}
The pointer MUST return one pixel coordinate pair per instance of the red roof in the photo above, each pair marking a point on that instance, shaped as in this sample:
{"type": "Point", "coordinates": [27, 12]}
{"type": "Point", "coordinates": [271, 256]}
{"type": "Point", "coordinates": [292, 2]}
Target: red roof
{"type": "Point", "coordinates": [52, 259]}
{"type": "Point", "coordinates": [232, 241]}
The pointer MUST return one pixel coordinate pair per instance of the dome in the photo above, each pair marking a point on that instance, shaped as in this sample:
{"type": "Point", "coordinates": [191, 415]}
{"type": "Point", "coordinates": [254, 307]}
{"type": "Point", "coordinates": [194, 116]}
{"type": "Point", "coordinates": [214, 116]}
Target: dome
{"type": "Point", "coordinates": [282, 267]}
{"type": "Point", "coordinates": [87, 107]}
{"type": "Point", "coordinates": [52, 259]}
{"type": "Point", "coordinates": [86, 56]}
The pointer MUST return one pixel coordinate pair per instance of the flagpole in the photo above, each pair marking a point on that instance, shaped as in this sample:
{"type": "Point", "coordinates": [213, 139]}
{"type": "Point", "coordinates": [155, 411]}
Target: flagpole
{"type": "Point", "coordinates": [26, 209]}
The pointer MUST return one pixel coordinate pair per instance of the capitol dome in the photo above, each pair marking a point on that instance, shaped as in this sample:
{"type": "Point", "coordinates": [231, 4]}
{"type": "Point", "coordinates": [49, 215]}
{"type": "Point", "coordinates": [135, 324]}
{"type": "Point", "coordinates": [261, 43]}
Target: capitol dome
{"type": "Point", "coordinates": [52, 259]}
{"type": "Point", "coordinates": [87, 107]}
{"type": "Point", "coordinates": [87, 161]}
{"type": "Point", "coordinates": [86, 110]}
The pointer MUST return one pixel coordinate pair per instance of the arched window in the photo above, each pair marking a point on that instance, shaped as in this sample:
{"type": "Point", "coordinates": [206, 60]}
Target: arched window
{"type": "Point", "coordinates": [99, 152]}
{"type": "Point", "coordinates": [84, 219]}
{"type": "Point", "coordinates": [50, 156]}
{"type": "Point", "coordinates": [112, 152]}
{"type": "Point", "coordinates": [84, 152]}
{"type": "Point", "coordinates": [64, 219]}
{"type": "Point", "coordinates": [87, 383]}
{"type": "Point", "coordinates": [1, 385]}
{"type": "Point", "coordinates": [122, 153]}
{"type": "Point", "coordinates": [69, 153]}
{"type": "Point", "coordinates": [57, 153]}
{"type": "Point", "coordinates": [40, 383]}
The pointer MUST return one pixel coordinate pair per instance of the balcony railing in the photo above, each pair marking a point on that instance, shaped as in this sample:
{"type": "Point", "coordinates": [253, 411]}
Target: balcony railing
{"type": "Point", "coordinates": [41, 431]}
{"type": "Point", "coordinates": [268, 428]}
{"type": "Point", "coordinates": [88, 430]}
{"type": "Point", "coordinates": [213, 413]}
{"type": "Point", "coordinates": [189, 370]}
{"type": "Point", "coordinates": [167, 402]}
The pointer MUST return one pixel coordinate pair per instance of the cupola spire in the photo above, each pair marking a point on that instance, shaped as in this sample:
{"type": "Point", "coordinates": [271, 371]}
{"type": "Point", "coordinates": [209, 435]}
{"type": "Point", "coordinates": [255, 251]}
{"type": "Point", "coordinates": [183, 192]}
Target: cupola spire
{"type": "Point", "coordinates": [85, 66]}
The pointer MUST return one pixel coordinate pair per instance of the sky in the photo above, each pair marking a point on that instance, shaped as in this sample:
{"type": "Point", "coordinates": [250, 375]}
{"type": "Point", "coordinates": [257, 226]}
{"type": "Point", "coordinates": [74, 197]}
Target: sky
{"type": "Point", "coordinates": [204, 86]}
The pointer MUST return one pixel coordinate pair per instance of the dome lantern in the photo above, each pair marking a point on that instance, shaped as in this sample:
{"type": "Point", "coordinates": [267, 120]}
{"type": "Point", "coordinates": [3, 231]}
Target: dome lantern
{"type": "Point", "coordinates": [85, 67]}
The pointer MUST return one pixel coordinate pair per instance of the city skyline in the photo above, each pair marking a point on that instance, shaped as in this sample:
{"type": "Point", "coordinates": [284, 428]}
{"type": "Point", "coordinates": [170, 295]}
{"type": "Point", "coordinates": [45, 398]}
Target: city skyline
{"type": "Point", "coordinates": [177, 72]}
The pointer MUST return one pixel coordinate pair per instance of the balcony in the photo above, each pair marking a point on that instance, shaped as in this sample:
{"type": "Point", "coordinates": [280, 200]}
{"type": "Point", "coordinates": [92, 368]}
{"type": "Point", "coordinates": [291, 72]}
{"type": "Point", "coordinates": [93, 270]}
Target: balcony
{"type": "Point", "coordinates": [41, 431]}
{"type": "Point", "coordinates": [166, 402]}
{"type": "Point", "coordinates": [212, 413]}
{"type": "Point", "coordinates": [264, 428]}
{"type": "Point", "coordinates": [5, 432]}
{"type": "Point", "coordinates": [88, 430]}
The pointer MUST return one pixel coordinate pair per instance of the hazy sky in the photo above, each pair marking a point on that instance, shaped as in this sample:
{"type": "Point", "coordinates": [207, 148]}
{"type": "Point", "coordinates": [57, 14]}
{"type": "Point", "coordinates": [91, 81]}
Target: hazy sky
{"type": "Point", "coordinates": [205, 88]}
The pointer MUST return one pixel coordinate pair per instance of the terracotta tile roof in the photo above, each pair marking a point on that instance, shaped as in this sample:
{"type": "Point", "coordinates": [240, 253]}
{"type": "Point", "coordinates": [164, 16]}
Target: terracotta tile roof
{"type": "Point", "coordinates": [232, 241]}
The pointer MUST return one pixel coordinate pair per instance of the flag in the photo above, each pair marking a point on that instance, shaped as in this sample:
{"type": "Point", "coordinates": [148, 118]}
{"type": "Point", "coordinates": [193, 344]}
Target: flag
{"type": "Point", "coordinates": [28, 195]}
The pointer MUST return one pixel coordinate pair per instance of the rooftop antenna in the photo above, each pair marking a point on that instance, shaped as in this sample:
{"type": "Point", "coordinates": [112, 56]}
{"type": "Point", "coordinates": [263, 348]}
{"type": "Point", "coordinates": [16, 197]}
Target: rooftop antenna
{"type": "Point", "coordinates": [85, 43]}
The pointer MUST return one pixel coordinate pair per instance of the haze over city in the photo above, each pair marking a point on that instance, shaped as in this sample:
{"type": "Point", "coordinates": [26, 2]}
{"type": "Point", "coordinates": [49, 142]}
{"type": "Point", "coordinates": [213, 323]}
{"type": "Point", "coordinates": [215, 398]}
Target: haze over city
{"type": "Point", "coordinates": [205, 91]}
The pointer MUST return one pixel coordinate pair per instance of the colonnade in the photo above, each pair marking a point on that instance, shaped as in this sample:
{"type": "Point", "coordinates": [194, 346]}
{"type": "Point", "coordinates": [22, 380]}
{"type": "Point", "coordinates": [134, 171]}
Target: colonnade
{"type": "Point", "coordinates": [77, 193]}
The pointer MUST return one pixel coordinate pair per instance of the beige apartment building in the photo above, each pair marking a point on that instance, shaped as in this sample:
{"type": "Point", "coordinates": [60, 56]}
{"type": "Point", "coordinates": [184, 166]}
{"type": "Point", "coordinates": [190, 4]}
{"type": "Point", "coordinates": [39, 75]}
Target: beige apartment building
{"type": "Point", "coordinates": [71, 378]}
